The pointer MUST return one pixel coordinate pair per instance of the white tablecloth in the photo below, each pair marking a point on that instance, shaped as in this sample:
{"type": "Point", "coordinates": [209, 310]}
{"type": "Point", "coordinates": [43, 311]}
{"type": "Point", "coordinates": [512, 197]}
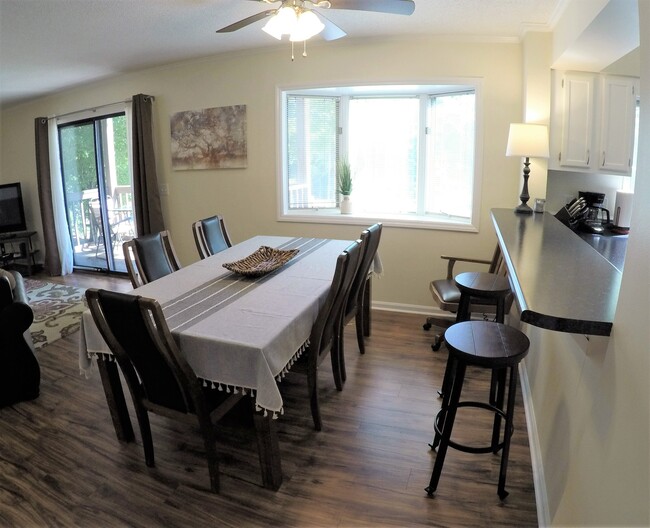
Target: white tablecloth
{"type": "Point", "coordinates": [239, 341]}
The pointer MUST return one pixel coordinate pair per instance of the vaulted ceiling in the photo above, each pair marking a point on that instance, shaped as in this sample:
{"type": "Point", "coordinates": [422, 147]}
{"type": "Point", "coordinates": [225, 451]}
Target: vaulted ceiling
{"type": "Point", "coordinates": [50, 45]}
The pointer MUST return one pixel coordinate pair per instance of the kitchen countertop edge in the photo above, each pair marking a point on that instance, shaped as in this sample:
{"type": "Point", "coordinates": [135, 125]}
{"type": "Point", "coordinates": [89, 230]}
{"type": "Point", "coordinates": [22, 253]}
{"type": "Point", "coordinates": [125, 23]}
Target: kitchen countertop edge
{"type": "Point", "coordinates": [539, 251]}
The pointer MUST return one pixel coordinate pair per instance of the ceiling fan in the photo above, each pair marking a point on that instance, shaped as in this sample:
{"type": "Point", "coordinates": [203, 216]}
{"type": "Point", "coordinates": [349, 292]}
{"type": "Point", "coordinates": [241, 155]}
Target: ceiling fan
{"type": "Point", "coordinates": [302, 19]}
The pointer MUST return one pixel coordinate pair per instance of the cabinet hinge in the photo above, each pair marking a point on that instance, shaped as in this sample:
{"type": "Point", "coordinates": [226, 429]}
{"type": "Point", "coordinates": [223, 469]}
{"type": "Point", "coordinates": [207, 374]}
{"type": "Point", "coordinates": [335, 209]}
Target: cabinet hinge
{"type": "Point", "coordinates": [559, 157]}
{"type": "Point", "coordinates": [339, 130]}
{"type": "Point", "coordinates": [427, 130]}
{"type": "Point", "coordinates": [562, 83]}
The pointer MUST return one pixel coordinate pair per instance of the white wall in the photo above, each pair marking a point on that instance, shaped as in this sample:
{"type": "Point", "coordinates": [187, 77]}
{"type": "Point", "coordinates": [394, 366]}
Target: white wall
{"type": "Point", "coordinates": [591, 399]}
{"type": "Point", "coordinates": [247, 197]}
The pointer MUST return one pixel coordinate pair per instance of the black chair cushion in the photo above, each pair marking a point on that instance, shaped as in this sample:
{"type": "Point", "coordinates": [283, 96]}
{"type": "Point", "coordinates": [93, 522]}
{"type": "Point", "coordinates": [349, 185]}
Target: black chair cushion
{"type": "Point", "coordinates": [447, 292]}
{"type": "Point", "coordinates": [151, 253]}
{"type": "Point", "coordinates": [123, 315]}
{"type": "Point", "coordinates": [214, 235]}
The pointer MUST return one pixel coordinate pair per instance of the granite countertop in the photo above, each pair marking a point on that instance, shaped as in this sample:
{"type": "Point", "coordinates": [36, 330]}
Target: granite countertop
{"type": "Point", "coordinates": [560, 279]}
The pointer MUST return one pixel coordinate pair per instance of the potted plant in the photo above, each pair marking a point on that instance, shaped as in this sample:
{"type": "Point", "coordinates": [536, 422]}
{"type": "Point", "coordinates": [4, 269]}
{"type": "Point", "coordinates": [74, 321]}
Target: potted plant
{"type": "Point", "coordinates": [344, 185]}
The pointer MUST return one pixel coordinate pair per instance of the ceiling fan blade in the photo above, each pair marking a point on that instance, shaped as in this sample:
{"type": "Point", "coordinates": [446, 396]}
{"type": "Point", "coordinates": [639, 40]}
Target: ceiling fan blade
{"type": "Point", "coordinates": [246, 21]}
{"type": "Point", "coordinates": [396, 7]}
{"type": "Point", "coordinates": [331, 31]}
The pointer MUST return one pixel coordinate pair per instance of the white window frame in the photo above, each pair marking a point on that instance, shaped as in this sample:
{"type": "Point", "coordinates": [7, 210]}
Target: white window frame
{"type": "Point", "coordinates": [333, 216]}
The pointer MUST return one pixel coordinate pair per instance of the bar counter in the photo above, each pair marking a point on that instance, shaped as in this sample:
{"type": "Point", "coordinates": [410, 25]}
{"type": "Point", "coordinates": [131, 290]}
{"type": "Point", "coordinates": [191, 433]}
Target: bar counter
{"type": "Point", "coordinates": [560, 281]}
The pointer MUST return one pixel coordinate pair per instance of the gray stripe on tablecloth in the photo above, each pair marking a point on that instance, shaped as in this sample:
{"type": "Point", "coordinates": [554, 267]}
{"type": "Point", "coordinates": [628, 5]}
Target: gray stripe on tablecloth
{"type": "Point", "coordinates": [206, 299]}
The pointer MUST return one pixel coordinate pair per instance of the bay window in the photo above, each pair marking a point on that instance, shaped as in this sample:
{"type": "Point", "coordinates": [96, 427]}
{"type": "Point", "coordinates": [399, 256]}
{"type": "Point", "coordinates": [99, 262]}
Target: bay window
{"type": "Point", "coordinates": [412, 151]}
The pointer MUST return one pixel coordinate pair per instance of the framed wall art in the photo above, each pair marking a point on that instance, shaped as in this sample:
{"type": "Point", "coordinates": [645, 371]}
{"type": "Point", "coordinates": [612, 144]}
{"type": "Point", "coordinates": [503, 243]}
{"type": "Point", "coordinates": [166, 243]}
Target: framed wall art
{"type": "Point", "coordinates": [212, 138]}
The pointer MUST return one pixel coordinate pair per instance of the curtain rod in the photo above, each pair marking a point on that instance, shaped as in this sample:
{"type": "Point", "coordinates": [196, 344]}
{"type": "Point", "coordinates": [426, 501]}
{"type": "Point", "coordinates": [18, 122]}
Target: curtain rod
{"type": "Point", "coordinates": [93, 108]}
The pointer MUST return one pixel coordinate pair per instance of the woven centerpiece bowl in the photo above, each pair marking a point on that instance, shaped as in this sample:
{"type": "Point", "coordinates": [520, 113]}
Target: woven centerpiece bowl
{"type": "Point", "coordinates": [264, 260]}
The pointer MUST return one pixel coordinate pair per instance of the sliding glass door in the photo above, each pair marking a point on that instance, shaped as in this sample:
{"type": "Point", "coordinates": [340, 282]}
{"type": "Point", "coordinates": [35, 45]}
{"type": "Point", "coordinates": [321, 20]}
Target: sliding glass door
{"type": "Point", "coordinates": [98, 190]}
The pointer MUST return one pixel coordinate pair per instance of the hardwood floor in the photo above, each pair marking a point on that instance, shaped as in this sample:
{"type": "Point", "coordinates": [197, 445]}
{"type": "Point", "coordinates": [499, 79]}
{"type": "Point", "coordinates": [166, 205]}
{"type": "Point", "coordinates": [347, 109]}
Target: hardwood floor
{"type": "Point", "coordinates": [61, 464]}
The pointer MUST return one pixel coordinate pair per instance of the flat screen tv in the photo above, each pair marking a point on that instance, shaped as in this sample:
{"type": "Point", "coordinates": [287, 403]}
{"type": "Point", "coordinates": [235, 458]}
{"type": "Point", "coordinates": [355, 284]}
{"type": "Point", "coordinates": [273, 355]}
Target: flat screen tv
{"type": "Point", "coordinates": [12, 212]}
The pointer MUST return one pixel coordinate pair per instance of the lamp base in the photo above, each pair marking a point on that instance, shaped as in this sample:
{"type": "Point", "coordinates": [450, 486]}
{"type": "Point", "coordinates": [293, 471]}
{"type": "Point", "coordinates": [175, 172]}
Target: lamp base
{"type": "Point", "coordinates": [523, 209]}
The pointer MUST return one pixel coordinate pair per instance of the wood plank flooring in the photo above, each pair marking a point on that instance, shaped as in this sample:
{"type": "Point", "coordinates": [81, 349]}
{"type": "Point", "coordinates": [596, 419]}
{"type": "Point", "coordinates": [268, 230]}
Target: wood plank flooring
{"type": "Point", "coordinates": [61, 464]}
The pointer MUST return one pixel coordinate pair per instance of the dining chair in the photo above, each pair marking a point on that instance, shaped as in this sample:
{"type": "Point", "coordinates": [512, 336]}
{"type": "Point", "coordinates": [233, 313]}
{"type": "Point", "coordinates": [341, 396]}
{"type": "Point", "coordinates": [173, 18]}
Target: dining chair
{"type": "Point", "coordinates": [159, 377]}
{"type": "Point", "coordinates": [323, 331]}
{"type": "Point", "coordinates": [354, 304]}
{"type": "Point", "coordinates": [210, 236]}
{"type": "Point", "coordinates": [150, 257]}
{"type": "Point", "coordinates": [446, 294]}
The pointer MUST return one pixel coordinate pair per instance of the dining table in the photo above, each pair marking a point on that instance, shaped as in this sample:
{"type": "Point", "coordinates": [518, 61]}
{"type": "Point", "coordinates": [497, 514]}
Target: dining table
{"type": "Point", "coordinates": [238, 332]}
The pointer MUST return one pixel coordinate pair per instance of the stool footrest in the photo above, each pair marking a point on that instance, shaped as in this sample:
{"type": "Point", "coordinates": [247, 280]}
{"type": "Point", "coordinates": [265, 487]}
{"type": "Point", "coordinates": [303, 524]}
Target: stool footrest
{"type": "Point", "coordinates": [465, 448]}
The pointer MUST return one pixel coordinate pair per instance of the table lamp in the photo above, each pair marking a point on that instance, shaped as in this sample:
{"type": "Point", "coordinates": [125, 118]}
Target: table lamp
{"type": "Point", "coordinates": [527, 141]}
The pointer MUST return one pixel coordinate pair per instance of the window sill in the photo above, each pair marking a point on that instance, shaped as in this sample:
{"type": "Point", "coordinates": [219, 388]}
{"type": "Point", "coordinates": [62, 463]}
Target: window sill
{"type": "Point", "coordinates": [333, 216]}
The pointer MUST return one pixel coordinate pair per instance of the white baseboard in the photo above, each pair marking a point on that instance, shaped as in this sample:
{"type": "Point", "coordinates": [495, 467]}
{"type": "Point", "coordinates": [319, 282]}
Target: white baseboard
{"type": "Point", "coordinates": [541, 497]}
{"type": "Point", "coordinates": [428, 311]}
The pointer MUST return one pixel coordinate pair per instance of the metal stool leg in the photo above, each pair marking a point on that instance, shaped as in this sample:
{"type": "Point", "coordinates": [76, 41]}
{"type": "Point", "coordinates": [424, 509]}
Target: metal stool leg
{"type": "Point", "coordinates": [512, 391]}
{"type": "Point", "coordinates": [445, 392]}
{"type": "Point", "coordinates": [448, 415]}
{"type": "Point", "coordinates": [497, 394]}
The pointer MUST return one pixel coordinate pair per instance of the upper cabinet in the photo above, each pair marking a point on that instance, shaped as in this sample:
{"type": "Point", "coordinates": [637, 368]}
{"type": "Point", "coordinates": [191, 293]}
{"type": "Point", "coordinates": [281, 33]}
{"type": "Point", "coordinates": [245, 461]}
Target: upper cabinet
{"type": "Point", "coordinates": [593, 120]}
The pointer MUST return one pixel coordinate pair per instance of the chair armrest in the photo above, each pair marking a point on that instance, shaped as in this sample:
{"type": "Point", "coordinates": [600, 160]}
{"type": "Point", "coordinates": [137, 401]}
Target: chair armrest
{"type": "Point", "coordinates": [453, 260]}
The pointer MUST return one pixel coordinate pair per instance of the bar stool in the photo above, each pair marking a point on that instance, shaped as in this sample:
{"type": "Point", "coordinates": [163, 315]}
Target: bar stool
{"type": "Point", "coordinates": [487, 286]}
{"type": "Point", "coordinates": [482, 344]}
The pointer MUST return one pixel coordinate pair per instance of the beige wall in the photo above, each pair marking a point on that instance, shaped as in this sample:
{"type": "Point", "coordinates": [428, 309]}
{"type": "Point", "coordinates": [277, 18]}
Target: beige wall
{"type": "Point", "coordinates": [247, 197]}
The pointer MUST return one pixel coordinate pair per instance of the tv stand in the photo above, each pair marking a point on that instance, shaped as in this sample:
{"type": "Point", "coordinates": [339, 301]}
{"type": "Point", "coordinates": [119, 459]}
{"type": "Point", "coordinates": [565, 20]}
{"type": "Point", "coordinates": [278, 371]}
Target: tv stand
{"type": "Point", "coordinates": [17, 251]}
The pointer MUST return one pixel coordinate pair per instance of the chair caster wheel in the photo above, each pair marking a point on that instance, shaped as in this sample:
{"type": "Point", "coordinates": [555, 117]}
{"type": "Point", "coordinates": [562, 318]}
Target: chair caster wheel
{"type": "Point", "coordinates": [426, 326]}
{"type": "Point", "coordinates": [503, 494]}
{"type": "Point", "coordinates": [430, 491]}
{"type": "Point", "coordinates": [436, 346]}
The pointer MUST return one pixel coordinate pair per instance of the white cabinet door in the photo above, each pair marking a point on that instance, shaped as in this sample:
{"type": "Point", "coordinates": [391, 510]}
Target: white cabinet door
{"type": "Point", "coordinates": [617, 124]}
{"type": "Point", "coordinates": [578, 119]}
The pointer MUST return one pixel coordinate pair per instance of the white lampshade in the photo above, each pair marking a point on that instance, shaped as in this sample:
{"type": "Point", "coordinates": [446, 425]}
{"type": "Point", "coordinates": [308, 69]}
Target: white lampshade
{"type": "Point", "coordinates": [528, 141]}
{"type": "Point", "coordinates": [308, 25]}
{"type": "Point", "coordinates": [283, 22]}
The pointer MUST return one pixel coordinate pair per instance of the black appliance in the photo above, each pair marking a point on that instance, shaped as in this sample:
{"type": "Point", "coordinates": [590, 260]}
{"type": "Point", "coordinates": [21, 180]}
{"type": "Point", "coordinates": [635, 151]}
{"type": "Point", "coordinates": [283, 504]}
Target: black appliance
{"type": "Point", "coordinates": [597, 217]}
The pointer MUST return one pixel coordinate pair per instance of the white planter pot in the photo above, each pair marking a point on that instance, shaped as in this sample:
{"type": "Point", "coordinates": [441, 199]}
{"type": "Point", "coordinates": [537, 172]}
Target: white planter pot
{"type": "Point", "coordinates": [346, 204]}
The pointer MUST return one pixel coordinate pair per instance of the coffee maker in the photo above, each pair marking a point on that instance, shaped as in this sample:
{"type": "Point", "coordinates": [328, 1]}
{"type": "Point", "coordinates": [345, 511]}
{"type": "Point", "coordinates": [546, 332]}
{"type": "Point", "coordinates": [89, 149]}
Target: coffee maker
{"type": "Point", "coordinates": [596, 218]}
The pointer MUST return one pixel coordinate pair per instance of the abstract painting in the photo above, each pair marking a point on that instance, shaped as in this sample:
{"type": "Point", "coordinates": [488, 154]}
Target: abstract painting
{"type": "Point", "coordinates": [212, 138]}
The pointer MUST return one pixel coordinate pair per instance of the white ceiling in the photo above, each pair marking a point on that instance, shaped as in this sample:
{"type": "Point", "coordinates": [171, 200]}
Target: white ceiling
{"type": "Point", "coordinates": [50, 45]}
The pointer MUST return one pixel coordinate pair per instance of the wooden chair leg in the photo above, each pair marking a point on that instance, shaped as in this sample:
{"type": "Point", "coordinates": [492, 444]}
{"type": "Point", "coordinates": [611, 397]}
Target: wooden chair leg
{"type": "Point", "coordinates": [359, 322]}
{"type": "Point", "coordinates": [110, 378]}
{"type": "Point", "coordinates": [335, 357]}
{"type": "Point", "coordinates": [312, 385]}
{"type": "Point", "coordinates": [209, 442]}
{"type": "Point", "coordinates": [145, 432]}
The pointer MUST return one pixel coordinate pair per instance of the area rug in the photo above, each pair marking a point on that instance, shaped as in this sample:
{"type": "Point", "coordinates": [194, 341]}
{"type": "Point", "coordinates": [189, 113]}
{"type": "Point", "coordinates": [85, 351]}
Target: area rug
{"type": "Point", "coordinates": [57, 310]}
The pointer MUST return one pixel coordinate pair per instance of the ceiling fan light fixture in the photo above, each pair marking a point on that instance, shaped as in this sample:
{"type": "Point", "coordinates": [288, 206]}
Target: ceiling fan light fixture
{"type": "Point", "coordinates": [283, 22]}
{"type": "Point", "coordinates": [308, 25]}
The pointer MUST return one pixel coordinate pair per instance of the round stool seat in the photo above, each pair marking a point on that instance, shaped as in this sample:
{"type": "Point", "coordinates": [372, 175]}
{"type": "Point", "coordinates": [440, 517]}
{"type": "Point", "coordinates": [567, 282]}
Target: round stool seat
{"type": "Point", "coordinates": [480, 284]}
{"type": "Point", "coordinates": [485, 286]}
{"type": "Point", "coordinates": [486, 344]}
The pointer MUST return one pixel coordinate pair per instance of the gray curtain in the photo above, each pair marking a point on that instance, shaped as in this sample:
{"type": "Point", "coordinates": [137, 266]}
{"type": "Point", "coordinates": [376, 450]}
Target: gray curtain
{"type": "Point", "coordinates": [52, 260]}
{"type": "Point", "coordinates": [146, 197]}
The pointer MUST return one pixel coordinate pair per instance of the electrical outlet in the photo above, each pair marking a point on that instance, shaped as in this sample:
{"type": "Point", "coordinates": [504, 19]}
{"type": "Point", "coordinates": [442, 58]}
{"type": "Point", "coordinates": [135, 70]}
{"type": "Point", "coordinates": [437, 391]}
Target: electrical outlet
{"type": "Point", "coordinates": [164, 189]}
